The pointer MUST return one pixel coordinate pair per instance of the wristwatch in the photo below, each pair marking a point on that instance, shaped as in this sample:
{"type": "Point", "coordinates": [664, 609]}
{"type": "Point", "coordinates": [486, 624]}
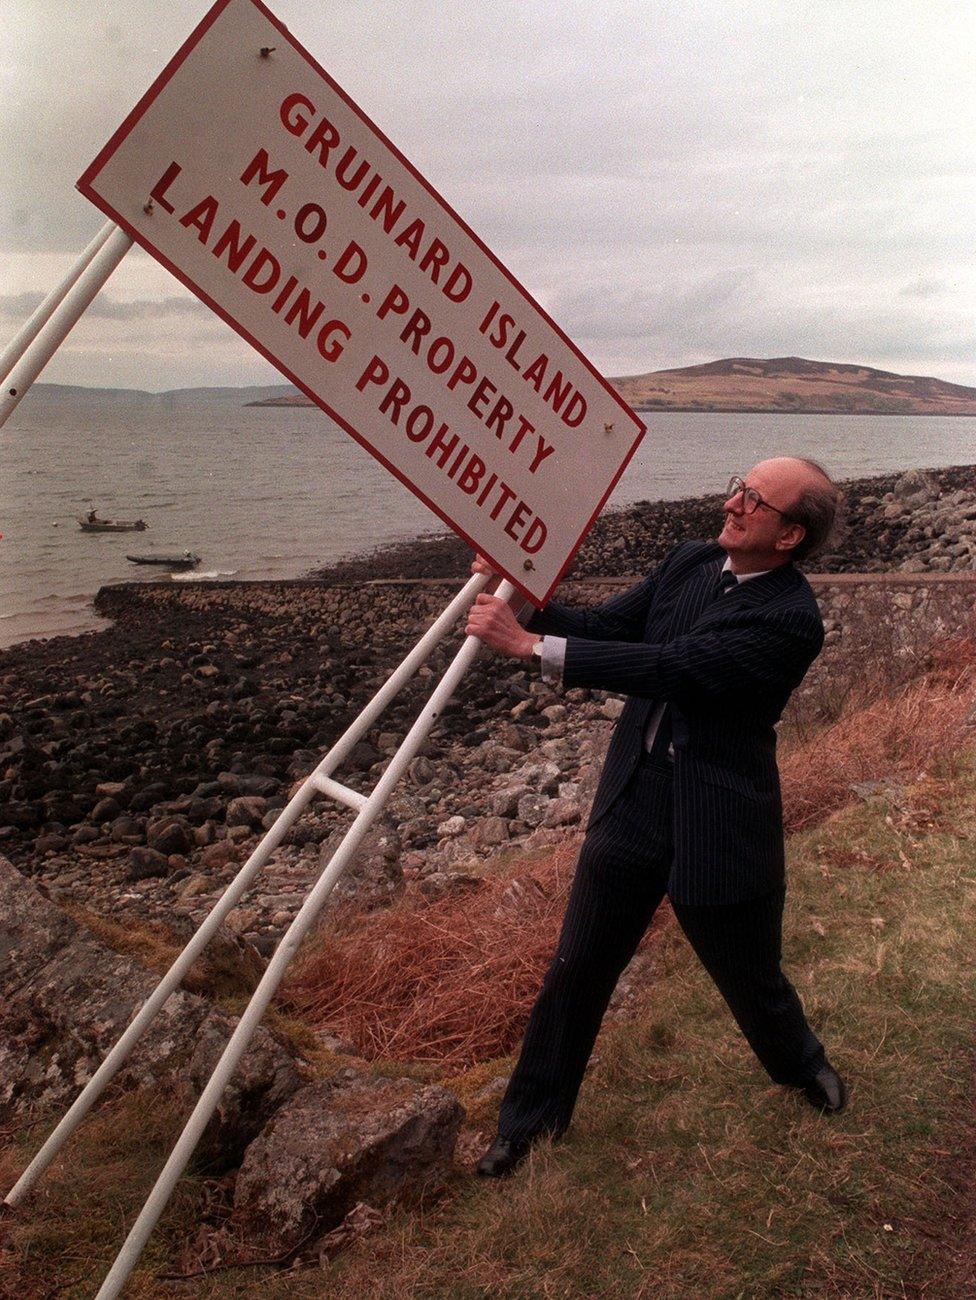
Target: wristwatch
{"type": "Point", "coordinates": [537, 648]}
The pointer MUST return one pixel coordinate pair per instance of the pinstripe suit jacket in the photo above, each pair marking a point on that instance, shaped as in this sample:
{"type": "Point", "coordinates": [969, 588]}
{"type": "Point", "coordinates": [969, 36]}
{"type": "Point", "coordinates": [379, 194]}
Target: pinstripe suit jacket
{"type": "Point", "coordinates": [727, 667]}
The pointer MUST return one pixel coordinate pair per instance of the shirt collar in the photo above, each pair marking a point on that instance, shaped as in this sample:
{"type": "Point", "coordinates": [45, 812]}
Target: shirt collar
{"type": "Point", "coordinates": [742, 577]}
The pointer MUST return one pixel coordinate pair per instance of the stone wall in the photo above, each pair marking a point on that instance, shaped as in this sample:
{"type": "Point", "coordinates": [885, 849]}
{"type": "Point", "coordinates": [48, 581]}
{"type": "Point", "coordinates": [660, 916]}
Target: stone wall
{"type": "Point", "coordinates": [882, 620]}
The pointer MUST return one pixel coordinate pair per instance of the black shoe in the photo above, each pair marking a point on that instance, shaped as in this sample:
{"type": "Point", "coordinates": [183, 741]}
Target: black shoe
{"type": "Point", "coordinates": [502, 1158]}
{"type": "Point", "coordinates": [827, 1091]}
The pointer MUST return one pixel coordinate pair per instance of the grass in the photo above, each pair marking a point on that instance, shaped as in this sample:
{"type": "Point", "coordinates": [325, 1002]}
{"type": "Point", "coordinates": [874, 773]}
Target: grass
{"type": "Point", "coordinates": [895, 722]}
{"type": "Point", "coordinates": [686, 1172]}
{"type": "Point", "coordinates": [66, 1236]}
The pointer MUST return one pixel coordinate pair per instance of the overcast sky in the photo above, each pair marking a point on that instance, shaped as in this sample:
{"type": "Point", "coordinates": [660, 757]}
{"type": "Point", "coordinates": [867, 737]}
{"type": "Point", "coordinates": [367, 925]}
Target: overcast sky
{"type": "Point", "coordinates": [675, 180]}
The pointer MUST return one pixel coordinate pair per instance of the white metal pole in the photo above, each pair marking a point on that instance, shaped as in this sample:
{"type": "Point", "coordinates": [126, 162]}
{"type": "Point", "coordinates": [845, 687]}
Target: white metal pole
{"type": "Point", "coordinates": [63, 318]}
{"type": "Point", "coordinates": [16, 348]}
{"type": "Point", "coordinates": [238, 886]}
{"type": "Point", "coordinates": [142, 1228]}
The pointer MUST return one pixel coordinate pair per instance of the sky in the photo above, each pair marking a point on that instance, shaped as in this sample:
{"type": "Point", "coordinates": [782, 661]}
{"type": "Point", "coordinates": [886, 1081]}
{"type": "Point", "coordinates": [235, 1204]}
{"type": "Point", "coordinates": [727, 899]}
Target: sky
{"type": "Point", "coordinates": [674, 181]}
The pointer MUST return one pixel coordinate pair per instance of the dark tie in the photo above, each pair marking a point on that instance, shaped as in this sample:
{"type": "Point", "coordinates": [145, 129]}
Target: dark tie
{"type": "Point", "coordinates": [726, 581]}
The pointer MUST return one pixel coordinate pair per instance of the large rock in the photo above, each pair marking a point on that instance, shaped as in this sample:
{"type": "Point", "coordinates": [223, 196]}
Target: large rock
{"type": "Point", "coordinates": [246, 810]}
{"type": "Point", "coordinates": [916, 486]}
{"type": "Point", "coordinates": [342, 1141]}
{"type": "Point", "coordinates": [170, 835]}
{"type": "Point", "coordinates": [65, 999]}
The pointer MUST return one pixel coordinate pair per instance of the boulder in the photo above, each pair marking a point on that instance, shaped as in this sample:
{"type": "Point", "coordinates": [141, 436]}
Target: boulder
{"type": "Point", "coordinates": [916, 486]}
{"type": "Point", "coordinates": [489, 831]}
{"type": "Point", "coordinates": [532, 808]}
{"type": "Point", "coordinates": [562, 812]}
{"type": "Point", "coordinates": [106, 810]}
{"type": "Point", "coordinates": [234, 783]}
{"type": "Point", "coordinates": [218, 855]}
{"type": "Point", "coordinates": [504, 803]}
{"type": "Point", "coordinates": [169, 835]}
{"type": "Point", "coordinates": [247, 810]}
{"type": "Point", "coordinates": [339, 1142]}
{"type": "Point", "coordinates": [65, 998]}
{"type": "Point", "coordinates": [452, 826]}
{"type": "Point", "coordinates": [143, 864]}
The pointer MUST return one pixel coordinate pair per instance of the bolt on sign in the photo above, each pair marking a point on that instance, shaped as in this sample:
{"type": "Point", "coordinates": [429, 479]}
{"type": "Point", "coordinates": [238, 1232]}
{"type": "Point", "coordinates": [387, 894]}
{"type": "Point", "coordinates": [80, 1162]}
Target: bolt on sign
{"type": "Point", "coordinates": [258, 182]}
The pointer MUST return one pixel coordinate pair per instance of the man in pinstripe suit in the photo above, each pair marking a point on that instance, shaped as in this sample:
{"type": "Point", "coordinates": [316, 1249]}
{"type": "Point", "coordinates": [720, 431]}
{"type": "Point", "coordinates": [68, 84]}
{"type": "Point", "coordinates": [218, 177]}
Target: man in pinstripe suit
{"type": "Point", "coordinates": [708, 650]}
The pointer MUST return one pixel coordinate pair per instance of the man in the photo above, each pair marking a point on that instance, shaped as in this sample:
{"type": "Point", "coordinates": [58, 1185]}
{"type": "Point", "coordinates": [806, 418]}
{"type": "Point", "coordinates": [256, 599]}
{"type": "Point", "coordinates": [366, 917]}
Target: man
{"type": "Point", "coordinates": [708, 649]}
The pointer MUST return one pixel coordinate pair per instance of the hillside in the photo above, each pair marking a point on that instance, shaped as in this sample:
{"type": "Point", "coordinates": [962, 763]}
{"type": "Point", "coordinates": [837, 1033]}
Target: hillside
{"type": "Point", "coordinates": [780, 384]}
{"type": "Point", "coordinates": [792, 384]}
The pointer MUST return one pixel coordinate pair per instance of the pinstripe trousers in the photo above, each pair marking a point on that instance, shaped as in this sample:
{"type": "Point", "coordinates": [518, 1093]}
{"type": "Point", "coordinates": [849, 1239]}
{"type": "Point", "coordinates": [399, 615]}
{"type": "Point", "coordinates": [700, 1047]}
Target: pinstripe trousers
{"type": "Point", "coordinates": [620, 880]}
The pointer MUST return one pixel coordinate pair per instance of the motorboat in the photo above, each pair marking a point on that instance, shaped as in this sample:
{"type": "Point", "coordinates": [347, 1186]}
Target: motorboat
{"type": "Point", "coordinates": [92, 524]}
{"type": "Point", "coordinates": [187, 560]}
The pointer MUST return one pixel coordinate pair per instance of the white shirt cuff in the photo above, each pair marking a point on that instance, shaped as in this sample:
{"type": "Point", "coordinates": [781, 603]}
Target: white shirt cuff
{"type": "Point", "coordinates": [553, 659]}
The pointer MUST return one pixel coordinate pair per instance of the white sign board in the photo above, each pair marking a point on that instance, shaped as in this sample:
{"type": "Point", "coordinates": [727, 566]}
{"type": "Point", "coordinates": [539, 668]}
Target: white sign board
{"type": "Point", "coordinates": [257, 181]}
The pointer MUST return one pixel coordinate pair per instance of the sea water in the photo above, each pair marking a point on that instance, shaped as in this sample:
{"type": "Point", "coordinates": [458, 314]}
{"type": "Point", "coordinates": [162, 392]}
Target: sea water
{"type": "Point", "coordinates": [271, 492]}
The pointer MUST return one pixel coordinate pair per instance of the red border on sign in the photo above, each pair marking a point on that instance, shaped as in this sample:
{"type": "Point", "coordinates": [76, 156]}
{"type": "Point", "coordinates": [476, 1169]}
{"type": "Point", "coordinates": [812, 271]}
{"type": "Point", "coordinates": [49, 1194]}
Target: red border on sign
{"type": "Point", "coordinates": [86, 185]}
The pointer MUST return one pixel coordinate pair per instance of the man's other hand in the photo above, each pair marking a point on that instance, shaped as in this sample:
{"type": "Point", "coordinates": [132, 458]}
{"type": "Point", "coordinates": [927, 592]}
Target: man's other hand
{"type": "Point", "coordinates": [480, 565]}
{"type": "Point", "coordinates": [492, 621]}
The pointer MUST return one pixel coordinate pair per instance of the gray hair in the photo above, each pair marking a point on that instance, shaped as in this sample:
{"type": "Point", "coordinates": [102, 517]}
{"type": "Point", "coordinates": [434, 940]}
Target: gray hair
{"type": "Point", "coordinates": [816, 511]}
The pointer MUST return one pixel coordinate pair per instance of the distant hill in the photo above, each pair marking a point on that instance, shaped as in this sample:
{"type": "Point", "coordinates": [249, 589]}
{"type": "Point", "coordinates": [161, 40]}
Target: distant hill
{"type": "Point", "coordinates": [76, 394]}
{"type": "Point", "coordinates": [778, 384]}
{"type": "Point", "coordinates": [792, 384]}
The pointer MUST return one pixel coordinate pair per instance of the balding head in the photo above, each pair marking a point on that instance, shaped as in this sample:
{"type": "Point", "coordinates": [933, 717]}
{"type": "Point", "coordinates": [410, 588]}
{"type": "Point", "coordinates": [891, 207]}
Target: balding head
{"type": "Point", "coordinates": [798, 504]}
{"type": "Point", "coordinates": [815, 500]}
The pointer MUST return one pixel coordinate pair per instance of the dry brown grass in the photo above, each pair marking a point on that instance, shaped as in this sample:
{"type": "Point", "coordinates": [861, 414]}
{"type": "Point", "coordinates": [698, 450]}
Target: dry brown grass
{"type": "Point", "coordinates": [451, 982]}
{"type": "Point", "coordinates": [882, 733]}
{"type": "Point", "coordinates": [446, 984]}
{"type": "Point", "coordinates": [55, 1244]}
{"type": "Point", "coordinates": [442, 982]}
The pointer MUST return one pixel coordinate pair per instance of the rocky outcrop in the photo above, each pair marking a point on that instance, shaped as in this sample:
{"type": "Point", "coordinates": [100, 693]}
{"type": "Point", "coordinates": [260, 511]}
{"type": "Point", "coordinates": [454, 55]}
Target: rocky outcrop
{"type": "Point", "coordinates": [65, 999]}
{"type": "Point", "coordinates": [929, 531]}
{"type": "Point", "coordinates": [341, 1142]}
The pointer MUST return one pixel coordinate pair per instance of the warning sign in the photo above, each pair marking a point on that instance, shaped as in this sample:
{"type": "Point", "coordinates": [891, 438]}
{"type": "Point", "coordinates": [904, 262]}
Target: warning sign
{"type": "Point", "coordinates": [257, 181]}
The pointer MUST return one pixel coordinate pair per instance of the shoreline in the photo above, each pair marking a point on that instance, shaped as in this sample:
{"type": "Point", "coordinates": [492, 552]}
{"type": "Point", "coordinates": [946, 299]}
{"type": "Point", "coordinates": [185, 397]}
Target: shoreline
{"type": "Point", "coordinates": [625, 540]}
{"type": "Point", "coordinates": [631, 539]}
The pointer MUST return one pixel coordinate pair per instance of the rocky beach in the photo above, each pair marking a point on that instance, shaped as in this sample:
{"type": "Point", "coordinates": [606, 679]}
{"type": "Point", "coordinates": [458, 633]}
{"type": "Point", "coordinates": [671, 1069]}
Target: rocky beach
{"type": "Point", "coordinates": [140, 765]}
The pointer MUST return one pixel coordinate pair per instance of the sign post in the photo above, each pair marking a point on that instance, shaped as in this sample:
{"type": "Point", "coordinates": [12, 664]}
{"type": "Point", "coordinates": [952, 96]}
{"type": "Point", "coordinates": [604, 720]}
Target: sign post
{"type": "Point", "coordinates": [62, 309]}
{"type": "Point", "coordinates": [258, 182]}
{"type": "Point", "coordinates": [29, 331]}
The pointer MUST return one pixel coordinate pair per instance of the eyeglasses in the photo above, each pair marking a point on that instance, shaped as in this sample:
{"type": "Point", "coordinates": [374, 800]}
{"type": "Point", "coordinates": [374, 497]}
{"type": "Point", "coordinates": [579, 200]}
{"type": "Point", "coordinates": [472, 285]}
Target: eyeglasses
{"type": "Point", "coordinates": [751, 500]}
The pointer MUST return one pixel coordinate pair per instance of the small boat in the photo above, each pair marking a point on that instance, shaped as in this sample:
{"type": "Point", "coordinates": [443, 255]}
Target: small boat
{"type": "Point", "coordinates": [95, 525]}
{"type": "Point", "coordinates": [185, 561]}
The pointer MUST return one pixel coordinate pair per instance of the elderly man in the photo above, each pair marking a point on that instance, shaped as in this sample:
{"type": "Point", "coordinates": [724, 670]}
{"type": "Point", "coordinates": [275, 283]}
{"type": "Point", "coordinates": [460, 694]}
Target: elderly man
{"type": "Point", "coordinates": [708, 650]}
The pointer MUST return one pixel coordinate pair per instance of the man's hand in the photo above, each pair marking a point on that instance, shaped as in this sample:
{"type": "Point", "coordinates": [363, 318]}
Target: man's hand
{"type": "Point", "coordinates": [492, 621]}
{"type": "Point", "coordinates": [480, 565]}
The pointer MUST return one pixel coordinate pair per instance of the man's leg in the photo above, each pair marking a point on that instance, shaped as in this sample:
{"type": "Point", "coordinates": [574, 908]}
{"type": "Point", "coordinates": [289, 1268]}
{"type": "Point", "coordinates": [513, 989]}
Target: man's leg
{"type": "Point", "coordinates": [740, 945]}
{"type": "Point", "coordinates": [620, 880]}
